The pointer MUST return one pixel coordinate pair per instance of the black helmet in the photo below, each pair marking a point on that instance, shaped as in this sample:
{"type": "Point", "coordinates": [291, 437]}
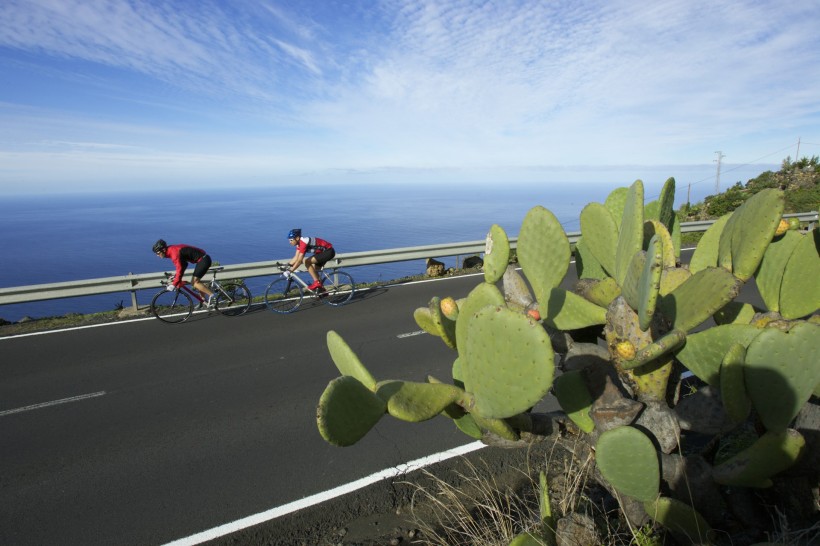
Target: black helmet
{"type": "Point", "coordinates": [159, 246]}
{"type": "Point", "coordinates": [295, 233]}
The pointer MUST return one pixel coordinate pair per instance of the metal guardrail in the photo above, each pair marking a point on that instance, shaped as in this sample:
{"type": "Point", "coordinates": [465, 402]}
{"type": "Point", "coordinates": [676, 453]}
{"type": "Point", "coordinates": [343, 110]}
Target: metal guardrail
{"type": "Point", "coordinates": [133, 283]}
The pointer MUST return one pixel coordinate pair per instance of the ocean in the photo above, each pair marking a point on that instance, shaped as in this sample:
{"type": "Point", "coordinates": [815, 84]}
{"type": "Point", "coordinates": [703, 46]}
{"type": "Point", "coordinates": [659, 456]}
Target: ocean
{"type": "Point", "coordinates": [47, 239]}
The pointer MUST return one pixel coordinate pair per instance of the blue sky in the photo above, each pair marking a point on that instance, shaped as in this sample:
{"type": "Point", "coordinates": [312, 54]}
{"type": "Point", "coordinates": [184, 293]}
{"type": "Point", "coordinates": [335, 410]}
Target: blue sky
{"type": "Point", "coordinates": [109, 94]}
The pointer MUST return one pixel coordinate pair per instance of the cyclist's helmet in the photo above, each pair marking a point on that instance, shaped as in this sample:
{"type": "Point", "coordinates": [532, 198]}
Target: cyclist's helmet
{"type": "Point", "coordinates": [159, 246]}
{"type": "Point", "coordinates": [294, 233]}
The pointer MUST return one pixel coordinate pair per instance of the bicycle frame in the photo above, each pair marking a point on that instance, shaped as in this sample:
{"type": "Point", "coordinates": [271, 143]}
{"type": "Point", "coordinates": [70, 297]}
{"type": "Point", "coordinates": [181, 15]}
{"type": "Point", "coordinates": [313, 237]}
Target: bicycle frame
{"type": "Point", "coordinates": [285, 294]}
{"type": "Point", "coordinates": [232, 299]}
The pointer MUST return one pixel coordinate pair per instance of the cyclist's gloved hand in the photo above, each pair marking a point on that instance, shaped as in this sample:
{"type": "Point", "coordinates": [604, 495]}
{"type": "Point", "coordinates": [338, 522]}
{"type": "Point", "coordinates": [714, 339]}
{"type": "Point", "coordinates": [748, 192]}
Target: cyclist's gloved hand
{"type": "Point", "coordinates": [286, 273]}
{"type": "Point", "coordinates": [170, 287]}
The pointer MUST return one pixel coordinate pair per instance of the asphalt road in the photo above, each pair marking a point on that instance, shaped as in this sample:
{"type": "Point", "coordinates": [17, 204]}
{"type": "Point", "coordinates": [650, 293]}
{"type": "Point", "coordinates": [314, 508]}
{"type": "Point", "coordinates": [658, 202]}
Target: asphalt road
{"type": "Point", "coordinates": [143, 433]}
{"type": "Point", "coordinates": [163, 431]}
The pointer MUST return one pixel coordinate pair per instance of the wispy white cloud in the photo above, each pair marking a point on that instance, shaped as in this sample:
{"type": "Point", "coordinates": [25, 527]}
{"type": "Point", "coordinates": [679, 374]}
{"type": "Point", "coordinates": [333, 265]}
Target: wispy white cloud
{"type": "Point", "coordinates": [416, 83]}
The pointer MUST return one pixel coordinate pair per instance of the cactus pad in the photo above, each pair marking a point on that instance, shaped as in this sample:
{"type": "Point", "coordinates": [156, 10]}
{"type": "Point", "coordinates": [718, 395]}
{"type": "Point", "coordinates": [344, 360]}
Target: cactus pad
{"type": "Point", "coordinates": [600, 235]}
{"type": "Point", "coordinates": [516, 292]}
{"type": "Point", "coordinates": [733, 384]}
{"type": "Point", "coordinates": [683, 521]}
{"type": "Point", "coordinates": [586, 265]}
{"type": "Point", "coordinates": [569, 311]}
{"type": "Point", "coordinates": [772, 453]}
{"type": "Point", "coordinates": [735, 312]}
{"type": "Point", "coordinates": [749, 231]}
{"type": "Point", "coordinates": [653, 228]}
{"type": "Point", "coordinates": [496, 254]}
{"type": "Point", "coordinates": [628, 460]}
{"type": "Point", "coordinates": [630, 237]}
{"type": "Point", "coordinates": [699, 297]}
{"type": "Point", "coordinates": [704, 351]}
{"type": "Point", "coordinates": [800, 292]}
{"type": "Point", "coordinates": [543, 251]}
{"type": "Point", "coordinates": [650, 282]}
{"type": "Point", "coordinates": [415, 402]}
{"type": "Point", "coordinates": [616, 201]}
{"type": "Point", "coordinates": [347, 362]}
{"type": "Point", "coordinates": [706, 253]}
{"type": "Point", "coordinates": [483, 295]}
{"type": "Point", "coordinates": [601, 292]}
{"type": "Point", "coordinates": [444, 327]}
{"type": "Point", "coordinates": [782, 371]}
{"type": "Point", "coordinates": [508, 362]}
{"type": "Point", "coordinates": [574, 398]}
{"type": "Point", "coordinates": [769, 275]}
{"type": "Point", "coordinates": [347, 411]}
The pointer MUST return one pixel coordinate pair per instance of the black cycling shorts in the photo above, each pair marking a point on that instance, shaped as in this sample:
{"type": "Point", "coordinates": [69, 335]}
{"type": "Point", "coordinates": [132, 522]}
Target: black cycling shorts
{"type": "Point", "coordinates": [202, 266]}
{"type": "Point", "coordinates": [321, 258]}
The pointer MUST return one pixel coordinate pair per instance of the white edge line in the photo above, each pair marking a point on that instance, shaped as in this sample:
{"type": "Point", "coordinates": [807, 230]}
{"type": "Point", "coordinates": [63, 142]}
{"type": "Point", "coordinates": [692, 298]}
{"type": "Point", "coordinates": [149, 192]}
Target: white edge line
{"type": "Point", "coordinates": [52, 403]}
{"type": "Point", "coordinates": [318, 498]}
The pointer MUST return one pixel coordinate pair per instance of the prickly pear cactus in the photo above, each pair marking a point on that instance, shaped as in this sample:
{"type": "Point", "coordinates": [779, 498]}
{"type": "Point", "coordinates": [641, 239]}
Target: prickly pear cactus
{"type": "Point", "coordinates": [638, 318]}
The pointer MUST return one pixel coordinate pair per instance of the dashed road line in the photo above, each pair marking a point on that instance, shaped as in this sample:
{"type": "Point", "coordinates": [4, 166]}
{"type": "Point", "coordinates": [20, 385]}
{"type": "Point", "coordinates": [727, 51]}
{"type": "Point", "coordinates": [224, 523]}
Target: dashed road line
{"type": "Point", "coordinates": [52, 403]}
{"type": "Point", "coordinates": [411, 334]}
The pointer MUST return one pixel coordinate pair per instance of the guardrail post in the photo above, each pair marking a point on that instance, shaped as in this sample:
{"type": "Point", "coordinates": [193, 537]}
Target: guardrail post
{"type": "Point", "coordinates": [134, 304]}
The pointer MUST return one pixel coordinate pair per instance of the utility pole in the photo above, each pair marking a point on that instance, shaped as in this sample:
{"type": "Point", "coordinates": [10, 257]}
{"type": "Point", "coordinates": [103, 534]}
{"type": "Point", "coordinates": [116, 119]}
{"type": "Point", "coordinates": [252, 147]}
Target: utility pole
{"type": "Point", "coordinates": [717, 177]}
{"type": "Point", "coordinates": [797, 157]}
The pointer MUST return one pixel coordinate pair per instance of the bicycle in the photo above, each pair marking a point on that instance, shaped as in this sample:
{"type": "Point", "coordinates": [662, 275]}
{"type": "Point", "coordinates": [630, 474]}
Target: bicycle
{"type": "Point", "coordinates": [174, 306]}
{"type": "Point", "coordinates": [285, 294]}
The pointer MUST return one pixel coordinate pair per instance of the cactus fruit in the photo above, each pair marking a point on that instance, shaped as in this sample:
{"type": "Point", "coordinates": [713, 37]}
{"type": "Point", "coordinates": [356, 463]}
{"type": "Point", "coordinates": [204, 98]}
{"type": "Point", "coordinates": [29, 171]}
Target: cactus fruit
{"type": "Point", "coordinates": [625, 349]}
{"type": "Point", "coordinates": [449, 308]}
{"type": "Point", "coordinates": [782, 227]}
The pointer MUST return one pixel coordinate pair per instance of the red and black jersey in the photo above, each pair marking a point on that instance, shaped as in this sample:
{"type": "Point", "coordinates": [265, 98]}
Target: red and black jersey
{"type": "Point", "coordinates": [182, 255]}
{"type": "Point", "coordinates": [312, 244]}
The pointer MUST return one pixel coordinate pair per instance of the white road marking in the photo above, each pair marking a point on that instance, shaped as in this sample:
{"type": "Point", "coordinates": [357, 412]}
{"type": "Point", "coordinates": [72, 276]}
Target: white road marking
{"type": "Point", "coordinates": [319, 498]}
{"type": "Point", "coordinates": [53, 403]}
{"type": "Point", "coordinates": [411, 334]}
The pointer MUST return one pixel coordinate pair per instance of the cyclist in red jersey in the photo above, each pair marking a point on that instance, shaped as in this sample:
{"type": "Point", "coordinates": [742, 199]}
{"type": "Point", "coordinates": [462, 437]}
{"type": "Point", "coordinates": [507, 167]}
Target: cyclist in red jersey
{"type": "Point", "coordinates": [182, 255]}
{"type": "Point", "coordinates": [322, 253]}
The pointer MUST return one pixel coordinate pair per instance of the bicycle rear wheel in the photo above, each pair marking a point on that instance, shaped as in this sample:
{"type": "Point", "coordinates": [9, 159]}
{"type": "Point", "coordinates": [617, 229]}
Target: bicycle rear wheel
{"type": "Point", "coordinates": [283, 295]}
{"type": "Point", "coordinates": [233, 299]}
{"type": "Point", "coordinates": [172, 307]}
{"type": "Point", "coordinates": [339, 288]}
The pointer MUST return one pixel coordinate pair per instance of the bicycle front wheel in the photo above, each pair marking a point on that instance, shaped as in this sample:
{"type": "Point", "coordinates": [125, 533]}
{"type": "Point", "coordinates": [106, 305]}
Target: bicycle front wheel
{"type": "Point", "coordinates": [172, 307]}
{"type": "Point", "coordinates": [283, 295]}
{"type": "Point", "coordinates": [233, 299]}
{"type": "Point", "coordinates": [339, 288]}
